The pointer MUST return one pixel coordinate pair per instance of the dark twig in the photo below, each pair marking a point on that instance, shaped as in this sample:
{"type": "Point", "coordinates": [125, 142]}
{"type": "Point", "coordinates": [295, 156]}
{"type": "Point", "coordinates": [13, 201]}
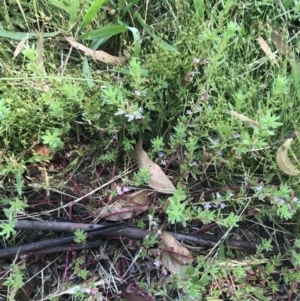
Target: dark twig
{"type": "Point", "coordinates": [207, 241]}
{"type": "Point", "coordinates": [50, 243]}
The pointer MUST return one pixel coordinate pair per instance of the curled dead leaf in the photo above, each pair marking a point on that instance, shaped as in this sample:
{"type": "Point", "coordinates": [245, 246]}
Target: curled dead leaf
{"type": "Point", "coordinates": [280, 43]}
{"type": "Point", "coordinates": [283, 161]}
{"type": "Point", "coordinates": [44, 151]}
{"type": "Point", "coordinates": [178, 252]}
{"type": "Point", "coordinates": [19, 47]}
{"type": "Point", "coordinates": [159, 181]}
{"type": "Point", "coordinates": [175, 258]}
{"type": "Point", "coordinates": [135, 202]}
{"type": "Point", "coordinates": [266, 49]}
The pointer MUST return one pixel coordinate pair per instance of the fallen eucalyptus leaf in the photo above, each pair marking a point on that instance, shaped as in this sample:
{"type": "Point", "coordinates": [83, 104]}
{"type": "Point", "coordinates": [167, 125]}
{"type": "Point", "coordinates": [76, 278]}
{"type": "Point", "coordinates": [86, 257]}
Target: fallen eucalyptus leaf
{"type": "Point", "coordinates": [19, 47]}
{"type": "Point", "coordinates": [266, 49]}
{"type": "Point", "coordinates": [283, 161]}
{"type": "Point", "coordinates": [98, 55]}
{"type": "Point", "coordinates": [174, 256]}
{"type": "Point", "coordinates": [280, 43]}
{"type": "Point", "coordinates": [135, 202]}
{"type": "Point", "coordinates": [159, 181]}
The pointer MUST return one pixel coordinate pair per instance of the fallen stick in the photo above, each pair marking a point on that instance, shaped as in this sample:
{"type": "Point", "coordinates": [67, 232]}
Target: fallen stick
{"type": "Point", "coordinates": [53, 242]}
{"type": "Point", "coordinates": [207, 241]}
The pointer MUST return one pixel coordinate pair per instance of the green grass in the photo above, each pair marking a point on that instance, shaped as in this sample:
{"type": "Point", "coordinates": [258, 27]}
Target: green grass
{"type": "Point", "coordinates": [194, 73]}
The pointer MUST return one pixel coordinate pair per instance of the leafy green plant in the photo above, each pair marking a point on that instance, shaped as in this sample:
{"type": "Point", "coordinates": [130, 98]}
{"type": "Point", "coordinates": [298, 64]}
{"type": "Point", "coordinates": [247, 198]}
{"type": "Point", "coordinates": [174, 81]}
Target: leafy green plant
{"type": "Point", "coordinates": [53, 140]}
{"type": "Point", "coordinates": [14, 281]}
{"type": "Point", "coordinates": [80, 236]}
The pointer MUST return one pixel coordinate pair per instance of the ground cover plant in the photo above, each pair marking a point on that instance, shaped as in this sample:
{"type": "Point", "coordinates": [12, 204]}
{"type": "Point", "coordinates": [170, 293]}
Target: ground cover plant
{"type": "Point", "coordinates": [175, 124]}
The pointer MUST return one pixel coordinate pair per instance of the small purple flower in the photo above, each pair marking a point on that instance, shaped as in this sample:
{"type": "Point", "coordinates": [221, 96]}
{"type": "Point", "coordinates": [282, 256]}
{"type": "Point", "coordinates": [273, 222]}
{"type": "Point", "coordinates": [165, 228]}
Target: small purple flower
{"type": "Point", "coordinates": [218, 195]}
{"type": "Point", "coordinates": [204, 97]}
{"type": "Point", "coordinates": [193, 163]}
{"type": "Point", "coordinates": [222, 205]}
{"type": "Point", "coordinates": [188, 112]}
{"type": "Point", "coordinates": [137, 93]}
{"type": "Point", "coordinates": [231, 194]}
{"type": "Point", "coordinates": [196, 60]}
{"type": "Point", "coordinates": [259, 187]}
{"type": "Point", "coordinates": [161, 154]}
{"type": "Point", "coordinates": [214, 142]}
{"type": "Point", "coordinates": [119, 190]}
{"type": "Point", "coordinates": [220, 153]}
{"type": "Point", "coordinates": [101, 298]}
{"type": "Point", "coordinates": [157, 263]}
{"type": "Point", "coordinates": [130, 117]}
{"type": "Point", "coordinates": [163, 162]}
{"type": "Point", "coordinates": [85, 290]}
{"type": "Point", "coordinates": [191, 79]}
{"type": "Point", "coordinates": [125, 189]}
{"type": "Point", "coordinates": [237, 136]}
{"type": "Point", "coordinates": [281, 201]}
{"type": "Point", "coordinates": [164, 272]}
{"type": "Point", "coordinates": [295, 199]}
{"type": "Point", "coordinates": [207, 205]}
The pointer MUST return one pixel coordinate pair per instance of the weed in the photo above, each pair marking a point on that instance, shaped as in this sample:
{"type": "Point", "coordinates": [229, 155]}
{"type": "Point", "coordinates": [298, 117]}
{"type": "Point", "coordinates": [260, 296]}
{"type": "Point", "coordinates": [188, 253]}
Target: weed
{"type": "Point", "coordinates": [211, 107]}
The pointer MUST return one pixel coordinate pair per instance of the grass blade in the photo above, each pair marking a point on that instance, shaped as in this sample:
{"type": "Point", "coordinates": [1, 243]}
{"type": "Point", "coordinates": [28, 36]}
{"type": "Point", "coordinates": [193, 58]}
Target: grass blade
{"type": "Point", "coordinates": [136, 37]}
{"type": "Point", "coordinates": [104, 32]}
{"type": "Point", "coordinates": [91, 13]}
{"type": "Point", "coordinates": [87, 73]}
{"type": "Point", "coordinates": [60, 5]}
{"type": "Point", "coordinates": [21, 35]}
{"type": "Point", "coordinates": [74, 5]}
{"type": "Point", "coordinates": [157, 39]}
{"type": "Point", "coordinates": [199, 5]}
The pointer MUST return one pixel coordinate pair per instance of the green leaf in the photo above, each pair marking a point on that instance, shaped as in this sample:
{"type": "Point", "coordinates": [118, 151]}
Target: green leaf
{"type": "Point", "coordinates": [74, 5]}
{"type": "Point", "coordinates": [20, 35]}
{"type": "Point", "coordinates": [19, 183]}
{"type": "Point", "coordinates": [60, 5]}
{"type": "Point", "coordinates": [96, 43]}
{"type": "Point", "coordinates": [104, 32]}
{"type": "Point", "coordinates": [136, 38]}
{"type": "Point", "coordinates": [157, 39]}
{"type": "Point", "coordinates": [91, 13]}
{"type": "Point", "coordinates": [259, 296]}
{"type": "Point", "coordinates": [199, 5]}
{"type": "Point", "coordinates": [87, 73]}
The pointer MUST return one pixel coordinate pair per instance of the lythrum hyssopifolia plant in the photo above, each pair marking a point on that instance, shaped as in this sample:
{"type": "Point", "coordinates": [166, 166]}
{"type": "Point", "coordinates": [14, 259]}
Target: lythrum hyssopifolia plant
{"type": "Point", "coordinates": [210, 105]}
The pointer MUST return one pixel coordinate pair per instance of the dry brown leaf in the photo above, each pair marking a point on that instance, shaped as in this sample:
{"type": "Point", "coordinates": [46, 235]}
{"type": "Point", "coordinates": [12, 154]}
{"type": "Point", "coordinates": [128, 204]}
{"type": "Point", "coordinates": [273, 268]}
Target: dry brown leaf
{"type": "Point", "coordinates": [159, 181]}
{"type": "Point", "coordinates": [280, 43]}
{"type": "Point", "coordinates": [98, 55]}
{"type": "Point", "coordinates": [42, 150]}
{"type": "Point", "coordinates": [19, 47]}
{"type": "Point", "coordinates": [124, 208]}
{"type": "Point", "coordinates": [26, 291]}
{"type": "Point", "coordinates": [266, 49]}
{"type": "Point", "coordinates": [174, 256]}
{"type": "Point", "coordinates": [244, 118]}
{"type": "Point", "coordinates": [283, 161]}
{"type": "Point", "coordinates": [177, 251]}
